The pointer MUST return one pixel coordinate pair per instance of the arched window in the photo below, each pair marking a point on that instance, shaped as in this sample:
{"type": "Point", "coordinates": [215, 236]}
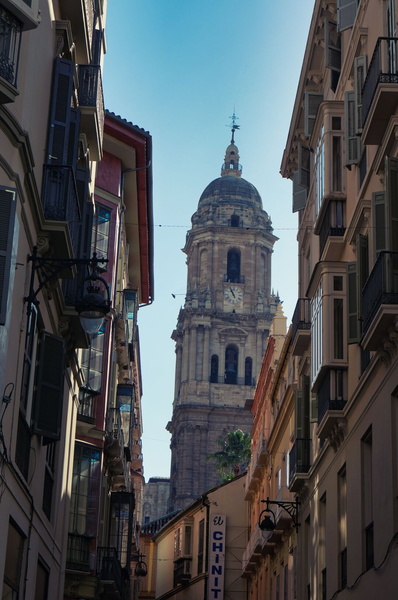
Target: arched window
{"type": "Point", "coordinates": [248, 371]}
{"type": "Point", "coordinates": [214, 369]}
{"type": "Point", "coordinates": [233, 266]}
{"type": "Point", "coordinates": [231, 164]}
{"type": "Point", "coordinates": [231, 364]}
{"type": "Point", "coordinates": [234, 220]}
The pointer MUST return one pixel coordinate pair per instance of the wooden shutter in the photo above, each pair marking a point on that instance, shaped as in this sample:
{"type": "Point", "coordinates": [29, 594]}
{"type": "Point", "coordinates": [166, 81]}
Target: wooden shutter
{"type": "Point", "coordinates": [346, 12]}
{"type": "Point", "coordinates": [352, 293]}
{"type": "Point", "coordinates": [305, 384]}
{"type": "Point", "coordinates": [379, 222]}
{"type": "Point", "coordinates": [7, 211]}
{"type": "Point", "coordinates": [299, 414]}
{"type": "Point", "coordinates": [360, 67]}
{"type": "Point", "coordinates": [332, 46]}
{"type": "Point", "coordinates": [304, 159]}
{"type": "Point", "coordinates": [73, 137]}
{"type": "Point", "coordinates": [312, 101]}
{"type": "Point", "coordinates": [362, 268]}
{"type": "Point", "coordinates": [313, 407]}
{"type": "Point", "coordinates": [300, 194]}
{"type": "Point", "coordinates": [391, 199]}
{"type": "Point", "coordinates": [48, 401]}
{"type": "Point", "coordinates": [60, 112]}
{"type": "Point", "coordinates": [352, 141]}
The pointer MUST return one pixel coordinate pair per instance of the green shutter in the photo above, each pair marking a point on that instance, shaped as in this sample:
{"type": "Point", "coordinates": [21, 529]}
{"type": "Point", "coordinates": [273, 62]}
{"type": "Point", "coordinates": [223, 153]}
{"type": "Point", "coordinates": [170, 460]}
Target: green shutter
{"type": "Point", "coordinates": [353, 322]}
{"type": "Point", "coordinates": [312, 101]}
{"type": "Point", "coordinates": [362, 267]}
{"type": "Point", "coordinates": [379, 222]}
{"type": "Point", "coordinates": [346, 12]}
{"type": "Point", "coordinates": [60, 112]}
{"type": "Point", "coordinates": [48, 401]}
{"type": "Point", "coordinates": [300, 194]}
{"type": "Point", "coordinates": [352, 140]}
{"type": "Point", "coordinates": [332, 47]}
{"type": "Point", "coordinates": [7, 212]}
{"type": "Point", "coordinates": [313, 407]}
{"type": "Point", "coordinates": [299, 413]}
{"type": "Point", "coordinates": [391, 199]}
{"type": "Point", "coordinates": [360, 67]}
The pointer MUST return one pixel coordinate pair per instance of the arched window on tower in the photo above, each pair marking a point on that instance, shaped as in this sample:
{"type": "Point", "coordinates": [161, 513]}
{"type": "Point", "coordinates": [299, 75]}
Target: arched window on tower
{"type": "Point", "coordinates": [231, 364]}
{"type": "Point", "coordinates": [248, 371]}
{"type": "Point", "coordinates": [214, 369]}
{"type": "Point", "coordinates": [234, 220]}
{"type": "Point", "coordinates": [231, 164]}
{"type": "Point", "coordinates": [233, 266]}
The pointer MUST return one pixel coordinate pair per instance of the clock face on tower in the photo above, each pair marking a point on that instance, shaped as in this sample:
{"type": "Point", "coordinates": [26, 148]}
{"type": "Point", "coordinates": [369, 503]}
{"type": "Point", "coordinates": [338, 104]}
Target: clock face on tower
{"type": "Point", "coordinates": [233, 294]}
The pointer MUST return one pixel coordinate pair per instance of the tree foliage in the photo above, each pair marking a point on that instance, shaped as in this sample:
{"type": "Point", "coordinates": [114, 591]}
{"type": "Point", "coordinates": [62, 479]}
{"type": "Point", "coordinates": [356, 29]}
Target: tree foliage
{"type": "Point", "coordinates": [234, 456]}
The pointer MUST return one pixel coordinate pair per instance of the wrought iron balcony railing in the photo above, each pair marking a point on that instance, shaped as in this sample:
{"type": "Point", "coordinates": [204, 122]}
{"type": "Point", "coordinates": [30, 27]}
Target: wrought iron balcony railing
{"type": "Point", "coordinates": [302, 316]}
{"type": "Point", "coordinates": [78, 552]}
{"type": "Point", "coordinates": [382, 69]}
{"type": "Point", "coordinates": [91, 95]}
{"type": "Point", "coordinates": [109, 568]}
{"type": "Point", "coordinates": [299, 457]}
{"type": "Point", "coordinates": [60, 199]}
{"type": "Point", "coordinates": [10, 29]}
{"type": "Point", "coordinates": [381, 286]}
{"type": "Point", "coordinates": [330, 394]}
{"type": "Point", "coordinates": [332, 224]}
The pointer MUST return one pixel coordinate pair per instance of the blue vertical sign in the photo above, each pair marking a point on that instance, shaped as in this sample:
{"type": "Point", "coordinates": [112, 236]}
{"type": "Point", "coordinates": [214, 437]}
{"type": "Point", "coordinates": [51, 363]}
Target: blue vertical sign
{"type": "Point", "coordinates": [217, 557]}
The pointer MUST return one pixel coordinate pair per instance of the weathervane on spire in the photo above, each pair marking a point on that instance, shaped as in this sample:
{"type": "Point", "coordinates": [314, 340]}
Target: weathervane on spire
{"type": "Point", "coordinates": [234, 126]}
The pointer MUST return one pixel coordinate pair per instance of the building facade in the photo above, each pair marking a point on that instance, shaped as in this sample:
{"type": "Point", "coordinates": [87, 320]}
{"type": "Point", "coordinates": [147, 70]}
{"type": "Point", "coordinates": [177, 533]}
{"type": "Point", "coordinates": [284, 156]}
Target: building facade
{"type": "Point", "coordinates": [222, 329]}
{"type": "Point", "coordinates": [156, 499]}
{"type": "Point", "coordinates": [70, 455]}
{"type": "Point", "coordinates": [199, 551]}
{"type": "Point", "coordinates": [341, 155]}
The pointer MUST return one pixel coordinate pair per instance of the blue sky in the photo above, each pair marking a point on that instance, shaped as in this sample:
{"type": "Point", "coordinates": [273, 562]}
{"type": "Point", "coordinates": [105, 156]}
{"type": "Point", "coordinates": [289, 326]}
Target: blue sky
{"type": "Point", "coordinates": [179, 69]}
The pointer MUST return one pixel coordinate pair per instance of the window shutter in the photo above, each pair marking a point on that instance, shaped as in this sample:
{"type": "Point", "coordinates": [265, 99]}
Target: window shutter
{"type": "Point", "coordinates": [300, 194]}
{"type": "Point", "coordinates": [7, 210]}
{"type": "Point", "coordinates": [352, 141]}
{"type": "Point", "coordinates": [299, 414]}
{"type": "Point", "coordinates": [73, 137]}
{"type": "Point", "coordinates": [312, 101]}
{"type": "Point", "coordinates": [391, 200]}
{"type": "Point", "coordinates": [332, 47]}
{"type": "Point", "coordinates": [346, 12]}
{"type": "Point", "coordinates": [313, 408]}
{"type": "Point", "coordinates": [353, 322]}
{"type": "Point", "coordinates": [60, 112]}
{"type": "Point", "coordinates": [304, 166]}
{"type": "Point", "coordinates": [47, 413]}
{"type": "Point", "coordinates": [360, 67]}
{"type": "Point", "coordinates": [362, 268]}
{"type": "Point", "coordinates": [305, 384]}
{"type": "Point", "coordinates": [378, 222]}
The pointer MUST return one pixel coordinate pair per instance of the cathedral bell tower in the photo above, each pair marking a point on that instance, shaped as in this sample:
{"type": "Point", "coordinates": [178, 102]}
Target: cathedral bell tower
{"type": "Point", "coordinates": [222, 329]}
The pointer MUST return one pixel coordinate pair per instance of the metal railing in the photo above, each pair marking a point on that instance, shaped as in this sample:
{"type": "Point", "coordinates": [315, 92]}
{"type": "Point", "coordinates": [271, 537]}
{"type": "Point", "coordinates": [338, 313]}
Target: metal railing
{"type": "Point", "coordinates": [382, 69]}
{"type": "Point", "coordinates": [90, 92]}
{"type": "Point", "coordinates": [299, 457]}
{"type": "Point", "coordinates": [381, 286]}
{"type": "Point", "coordinates": [329, 225]}
{"type": "Point", "coordinates": [327, 399]}
{"type": "Point", "coordinates": [302, 316]}
{"type": "Point", "coordinates": [78, 552]}
{"type": "Point", "coordinates": [60, 199]}
{"type": "Point", "coordinates": [109, 567]}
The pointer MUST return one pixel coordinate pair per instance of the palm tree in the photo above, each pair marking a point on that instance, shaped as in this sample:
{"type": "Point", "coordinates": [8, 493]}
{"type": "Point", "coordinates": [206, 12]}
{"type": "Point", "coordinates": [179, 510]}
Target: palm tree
{"type": "Point", "coordinates": [234, 456]}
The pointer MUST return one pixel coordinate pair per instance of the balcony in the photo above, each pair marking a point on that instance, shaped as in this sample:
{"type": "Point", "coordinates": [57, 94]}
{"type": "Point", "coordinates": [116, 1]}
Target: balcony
{"type": "Point", "coordinates": [114, 449]}
{"type": "Point", "coordinates": [91, 104]}
{"type": "Point", "coordinates": [301, 326]}
{"type": "Point", "coordinates": [61, 209]}
{"type": "Point", "coordinates": [380, 90]}
{"type": "Point", "coordinates": [380, 300]}
{"type": "Point", "coordinates": [332, 230]}
{"type": "Point", "coordinates": [110, 573]}
{"type": "Point", "coordinates": [331, 402]}
{"type": "Point", "coordinates": [82, 15]}
{"type": "Point", "coordinates": [299, 462]}
{"type": "Point", "coordinates": [78, 552]}
{"type": "Point", "coordinates": [11, 29]}
{"type": "Point", "coordinates": [254, 551]}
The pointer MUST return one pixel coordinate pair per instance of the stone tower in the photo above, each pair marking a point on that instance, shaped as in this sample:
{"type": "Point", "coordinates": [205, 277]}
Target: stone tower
{"type": "Point", "coordinates": [223, 327]}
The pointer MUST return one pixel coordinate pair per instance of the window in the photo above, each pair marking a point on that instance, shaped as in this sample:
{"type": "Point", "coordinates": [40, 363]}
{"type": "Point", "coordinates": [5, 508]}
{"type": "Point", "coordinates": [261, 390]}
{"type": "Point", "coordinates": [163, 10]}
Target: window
{"type": "Point", "coordinates": [385, 210]}
{"type": "Point", "coordinates": [102, 223]}
{"type": "Point", "coordinates": [121, 522]}
{"type": "Point", "coordinates": [234, 220]}
{"type": "Point", "coordinates": [231, 364]}
{"type": "Point", "coordinates": [316, 333]}
{"type": "Point", "coordinates": [319, 171]}
{"type": "Point", "coordinates": [183, 541]}
{"type": "Point", "coordinates": [367, 495]}
{"type": "Point", "coordinates": [248, 371]}
{"type": "Point", "coordinates": [332, 52]}
{"type": "Point", "coordinates": [233, 266]}
{"type": "Point", "coordinates": [201, 545]}
{"type": "Point", "coordinates": [83, 514]}
{"type": "Point", "coordinates": [92, 365]}
{"type": "Point", "coordinates": [10, 42]}
{"type": "Point", "coordinates": [42, 579]}
{"type": "Point", "coordinates": [49, 476]}
{"type": "Point", "coordinates": [342, 526]}
{"type": "Point", "coordinates": [13, 562]}
{"type": "Point", "coordinates": [214, 369]}
{"type": "Point", "coordinates": [322, 545]}
{"type": "Point", "coordinates": [8, 209]}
